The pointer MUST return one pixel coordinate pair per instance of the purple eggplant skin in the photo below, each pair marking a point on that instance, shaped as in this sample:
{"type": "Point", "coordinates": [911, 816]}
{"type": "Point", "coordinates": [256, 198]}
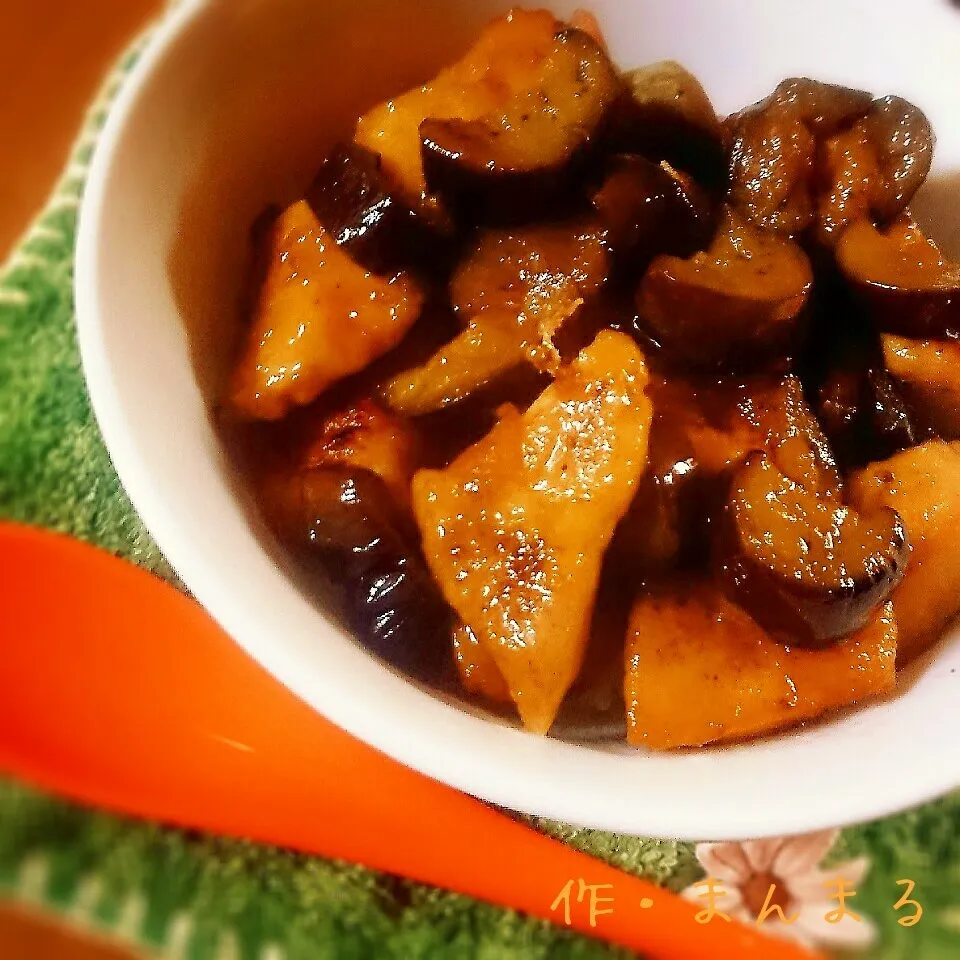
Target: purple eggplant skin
{"type": "Point", "coordinates": [903, 139]}
{"type": "Point", "coordinates": [649, 209]}
{"type": "Point", "coordinates": [355, 199]}
{"type": "Point", "coordinates": [344, 522]}
{"type": "Point", "coordinates": [481, 195]}
{"type": "Point", "coordinates": [863, 415]}
{"type": "Point", "coordinates": [807, 591]}
{"type": "Point", "coordinates": [530, 159]}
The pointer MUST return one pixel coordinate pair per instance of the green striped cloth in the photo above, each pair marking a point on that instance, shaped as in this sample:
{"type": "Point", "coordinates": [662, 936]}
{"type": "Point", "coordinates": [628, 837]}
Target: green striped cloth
{"type": "Point", "coordinates": [191, 897]}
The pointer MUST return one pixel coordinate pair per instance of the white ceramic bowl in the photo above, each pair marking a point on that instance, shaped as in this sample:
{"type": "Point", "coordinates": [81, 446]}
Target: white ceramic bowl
{"type": "Point", "coordinates": [232, 106]}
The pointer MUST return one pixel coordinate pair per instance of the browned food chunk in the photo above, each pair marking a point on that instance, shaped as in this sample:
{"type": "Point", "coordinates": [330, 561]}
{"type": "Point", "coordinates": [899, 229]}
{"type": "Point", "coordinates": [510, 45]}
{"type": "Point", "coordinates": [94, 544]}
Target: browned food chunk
{"type": "Point", "coordinates": [852, 183]}
{"type": "Point", "coordinates": [789, 433]}
{"type": "Point", "coordinates": [522, 160]}
{"type": "Point", "coordinates": [774, 150]}
{"type": "Point", "coordinates": [371, 438]}
{"type": "Point", "coordinates": [772, 161]}
{"type": "Point", "coordinates": [649, 209]}
{"type": "Point", "coordinates": [861, 408]}
{"type": "Point", "coordinates": [813, 151]}
{"type": "Point", "coordinates": [515, 291]}
{"type": "Point", "coordinates": [507, 58]}
{"type": "Point", "coordinates": [807, 568]}
{"type": "Point", "coordinates": [725, 420]}
{"type": "Point", "coordinates": [735, 304]}
{"type": "Point", "coordinates": [319, 318]}
{"type": "Point", "coordinates": [515, 529]}
{"type": "Point", "coordinates": [902, 278]}
{"type": "Point", "coordinates": [823, 107]}
{"type": "Point", "coordinates": [668, 88]}
{"type": "Point", "coordinates": [669, 117]}
{"type": "Point", "coordinates": [510, 269]}
{"type": "Point", "coordinates": [343, 520]}
{"type": "Point", "coordinates": [903, 141]}
{"type": "Point", "coordinates": [700, 670]}
{"type": "Point", "coordinates": [863, 412]}
{"type": "Point", "coordinates": [700, 433]}
{"type": "Point", "coordinates": [873, 169]}
{"type": "Point", "coordinates": [923, 485]}
{"type": "Point", "coordinates": [928, 373]}
{"type": "Point", "coordinates": [359, 203]}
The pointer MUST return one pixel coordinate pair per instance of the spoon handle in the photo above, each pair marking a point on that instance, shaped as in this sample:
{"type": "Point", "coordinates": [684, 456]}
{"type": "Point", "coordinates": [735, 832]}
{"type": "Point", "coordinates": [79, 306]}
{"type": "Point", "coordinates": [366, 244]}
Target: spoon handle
{"type": "Point", "coordinates": [120, 692]}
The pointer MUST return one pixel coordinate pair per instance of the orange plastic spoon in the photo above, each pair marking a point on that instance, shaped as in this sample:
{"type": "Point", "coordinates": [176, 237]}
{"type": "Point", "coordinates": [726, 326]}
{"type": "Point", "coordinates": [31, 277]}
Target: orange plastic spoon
{"type": "Point", "coordinates": [119, 692]}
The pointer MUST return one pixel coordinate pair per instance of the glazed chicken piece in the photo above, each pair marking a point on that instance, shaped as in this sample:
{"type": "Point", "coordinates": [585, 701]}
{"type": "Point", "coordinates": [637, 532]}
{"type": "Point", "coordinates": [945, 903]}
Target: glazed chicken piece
{"type": "Point", "coordinates": [515, 529]}
{"type": "Point", "coordinates": [700, 670]}
{"type": "Point", "coordinates": [320, 316]}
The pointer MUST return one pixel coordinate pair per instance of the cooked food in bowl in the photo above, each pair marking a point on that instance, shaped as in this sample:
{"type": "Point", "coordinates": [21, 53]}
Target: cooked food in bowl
{"type": "Point", "coordinates": [607, 413]}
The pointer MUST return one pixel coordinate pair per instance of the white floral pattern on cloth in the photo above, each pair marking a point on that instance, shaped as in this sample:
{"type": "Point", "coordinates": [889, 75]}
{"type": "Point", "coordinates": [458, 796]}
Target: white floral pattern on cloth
{"type": "Point", "coordinates": [786, 873]}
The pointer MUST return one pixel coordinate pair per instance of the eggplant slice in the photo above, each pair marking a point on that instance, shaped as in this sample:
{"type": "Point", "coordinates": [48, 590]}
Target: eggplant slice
{"type": "Point", "coordinates": [902, 279]}
{"type": "Point", "coordinates": [358, 202]}
{"type": "Point", "coordinates": [736, 304]}
{"type": "Point", "coordinates": [927, 373]}
{"type": "Point", "coordinates": [810, 570]}
{"type": "Point", "coordinates": [523, 162]}
{"type": "Point", "coordinates": [773, 150]}
{"type": "Point", "coordinates": [813, 151]}
{"type": "Point", "coordinates": [669, 117]}
{"type": "Point", "coordinates": [344, 522]}
{"type": "Point", "coordinates": [649, 209]}
{"type": "Point", "coordinates": [903, 141]}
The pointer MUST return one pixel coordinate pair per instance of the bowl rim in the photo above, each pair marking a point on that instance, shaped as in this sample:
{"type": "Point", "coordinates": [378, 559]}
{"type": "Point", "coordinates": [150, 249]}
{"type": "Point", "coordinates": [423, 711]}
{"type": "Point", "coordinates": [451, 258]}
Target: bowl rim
{"type": "Point", "coordinates": [508, 769]}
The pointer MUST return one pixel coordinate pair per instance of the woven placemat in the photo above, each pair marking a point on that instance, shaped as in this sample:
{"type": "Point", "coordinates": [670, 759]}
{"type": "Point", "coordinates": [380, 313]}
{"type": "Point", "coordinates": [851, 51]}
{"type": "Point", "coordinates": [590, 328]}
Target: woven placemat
{"type": "Point", "coordinates": [191, 897]}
